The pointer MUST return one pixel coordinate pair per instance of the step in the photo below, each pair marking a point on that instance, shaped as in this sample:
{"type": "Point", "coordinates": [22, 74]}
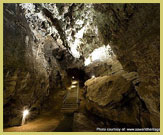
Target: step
{"type": "Point", "coordinates": [68, 111]}
{"type": "Point", "coordinates": [72, 96]}
{"type": "Point", "coordinates": [73, 93]}
{"type": "Point", "coordinates": [71, 99]}
{"type": "Point", "coordinates": [69, 108]}
{"type": "Point", "coordinates": [70, 104]}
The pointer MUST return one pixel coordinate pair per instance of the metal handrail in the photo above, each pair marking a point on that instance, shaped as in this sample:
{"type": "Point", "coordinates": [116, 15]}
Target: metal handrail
{"type": "Point", "coordinates": [64, 98]}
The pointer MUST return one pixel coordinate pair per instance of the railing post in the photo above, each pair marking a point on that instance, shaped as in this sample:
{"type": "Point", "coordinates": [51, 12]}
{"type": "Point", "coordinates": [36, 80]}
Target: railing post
{"type": "Point", "coordinates": [77, 92]}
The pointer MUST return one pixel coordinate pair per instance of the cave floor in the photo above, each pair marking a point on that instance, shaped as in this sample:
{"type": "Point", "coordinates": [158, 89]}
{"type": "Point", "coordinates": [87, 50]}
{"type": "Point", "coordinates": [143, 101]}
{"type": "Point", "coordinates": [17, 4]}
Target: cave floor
{"type": "Point", "coordinates": [44, 123]}
{"type": "Point", "coordinates": [49, 122]}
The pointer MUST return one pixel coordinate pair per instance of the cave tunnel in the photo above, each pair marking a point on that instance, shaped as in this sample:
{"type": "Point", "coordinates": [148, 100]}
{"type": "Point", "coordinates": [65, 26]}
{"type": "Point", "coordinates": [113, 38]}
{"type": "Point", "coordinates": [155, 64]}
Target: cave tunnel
{"type": "Point", "coordinates": [77, 67]}
{"type": "Point", "coordinates": [78, 74]}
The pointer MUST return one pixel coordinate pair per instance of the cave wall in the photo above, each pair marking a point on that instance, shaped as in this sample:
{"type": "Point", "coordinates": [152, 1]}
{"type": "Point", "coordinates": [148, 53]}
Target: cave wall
{"type": "Point", "coordinates": [38, 46]}
{"type": "Point", "coordinates": [23, 86]}
{"type": "Point", "coordinates": [35, 61]}
{"type": "Point", "coordinates": [133, 32]}
{"type": "Point", "coordinates": [109, 67]}
{"type": "Point", "coordinates": [31, 80]}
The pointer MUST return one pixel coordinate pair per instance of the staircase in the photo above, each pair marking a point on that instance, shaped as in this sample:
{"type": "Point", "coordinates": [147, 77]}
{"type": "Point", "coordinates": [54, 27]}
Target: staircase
{"type": "Point", "coordinates": [70, 103]}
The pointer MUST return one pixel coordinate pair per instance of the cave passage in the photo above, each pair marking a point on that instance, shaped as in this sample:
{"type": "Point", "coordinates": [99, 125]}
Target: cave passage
{"type": "Point", "coordinates": [80, 67]}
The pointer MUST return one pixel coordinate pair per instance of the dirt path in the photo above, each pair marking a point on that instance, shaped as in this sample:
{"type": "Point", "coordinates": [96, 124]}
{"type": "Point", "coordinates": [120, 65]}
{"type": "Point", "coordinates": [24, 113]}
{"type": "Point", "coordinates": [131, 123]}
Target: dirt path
{"type": "Point", "coordinates": [45, 123]}
{"type": "Point", "coordinates": [66, 125]}
{"type": "Point", "coordinates": [51, 122]}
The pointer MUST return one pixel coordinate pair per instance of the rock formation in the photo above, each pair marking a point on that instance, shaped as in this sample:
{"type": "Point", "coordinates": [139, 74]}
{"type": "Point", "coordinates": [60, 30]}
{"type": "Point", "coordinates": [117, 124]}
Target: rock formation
{"type": "Point", "coordinates": [114, 49]}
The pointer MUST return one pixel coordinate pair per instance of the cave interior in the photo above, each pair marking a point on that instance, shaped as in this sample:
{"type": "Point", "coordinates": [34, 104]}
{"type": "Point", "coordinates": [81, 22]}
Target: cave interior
{"type": "Point", "coordinates": [79, 66]}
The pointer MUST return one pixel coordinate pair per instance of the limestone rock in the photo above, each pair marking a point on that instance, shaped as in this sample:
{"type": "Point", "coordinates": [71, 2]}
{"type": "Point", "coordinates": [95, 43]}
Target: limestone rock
{"type": "Point", "coordinates": [43, 41]}
{"type": "Point", "coordinates": [27, 74]}
{"type": "Point", "coordinates": [107, 89]}
{"type": "Point", "coordinates": [108, 67]}
{"type": "Point", "coordinates": [114, 98]}
{"type": "Point", "coordinates": [133, 32]}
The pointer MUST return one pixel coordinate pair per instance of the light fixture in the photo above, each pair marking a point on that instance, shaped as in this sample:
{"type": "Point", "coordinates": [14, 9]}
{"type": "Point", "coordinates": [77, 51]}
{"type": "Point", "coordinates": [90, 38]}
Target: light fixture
{"type": "Point", "coordinates": [25, 113]}
{"type": "Point", "coordinates": [93, 76]}
{"type": "Point", "coordinates": [73, 86]}
{"type": "Point", "coordinates": [74, 82]}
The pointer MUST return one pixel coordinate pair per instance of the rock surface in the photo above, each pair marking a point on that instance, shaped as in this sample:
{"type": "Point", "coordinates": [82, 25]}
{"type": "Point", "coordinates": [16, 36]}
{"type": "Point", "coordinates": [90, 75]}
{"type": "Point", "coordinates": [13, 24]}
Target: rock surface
{"type": "Point", "coordinates": [133, 32]}
{"type": "Point", "coordinates": [115, 98]}
{"type": "Point", "coordinates": [82, 123]}
{"type": "Point", "coordinates": [30, 81]}
{"type": "Point", "coordinates": [109, 67]}
{"type": "Point", "coordinates": [44, 44]}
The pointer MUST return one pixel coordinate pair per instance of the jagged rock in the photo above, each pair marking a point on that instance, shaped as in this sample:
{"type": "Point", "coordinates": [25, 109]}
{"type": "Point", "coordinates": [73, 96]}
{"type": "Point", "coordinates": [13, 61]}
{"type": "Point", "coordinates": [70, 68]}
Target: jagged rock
{"type": "Point", "coordinates": [27, 74]}
{"type": "Point", "coordinates": [133, 32]}
{"type": "Point", "coordinates": [26, 91]}
{"type": "Point", "coordinates": [99, 68]}
{"type": "Point", "coordinates": [42, 42]}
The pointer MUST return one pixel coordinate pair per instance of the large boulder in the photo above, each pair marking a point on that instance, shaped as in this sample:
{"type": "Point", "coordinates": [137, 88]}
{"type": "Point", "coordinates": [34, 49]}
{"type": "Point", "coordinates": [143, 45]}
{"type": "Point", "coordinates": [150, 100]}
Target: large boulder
{"type": "Point", "coordinates": [115, 98]}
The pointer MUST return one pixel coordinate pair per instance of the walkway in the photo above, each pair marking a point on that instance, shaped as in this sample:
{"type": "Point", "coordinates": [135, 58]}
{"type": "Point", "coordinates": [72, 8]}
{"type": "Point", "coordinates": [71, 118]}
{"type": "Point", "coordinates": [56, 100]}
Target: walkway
{"type": "Point", "coordinates": [70, 104]}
